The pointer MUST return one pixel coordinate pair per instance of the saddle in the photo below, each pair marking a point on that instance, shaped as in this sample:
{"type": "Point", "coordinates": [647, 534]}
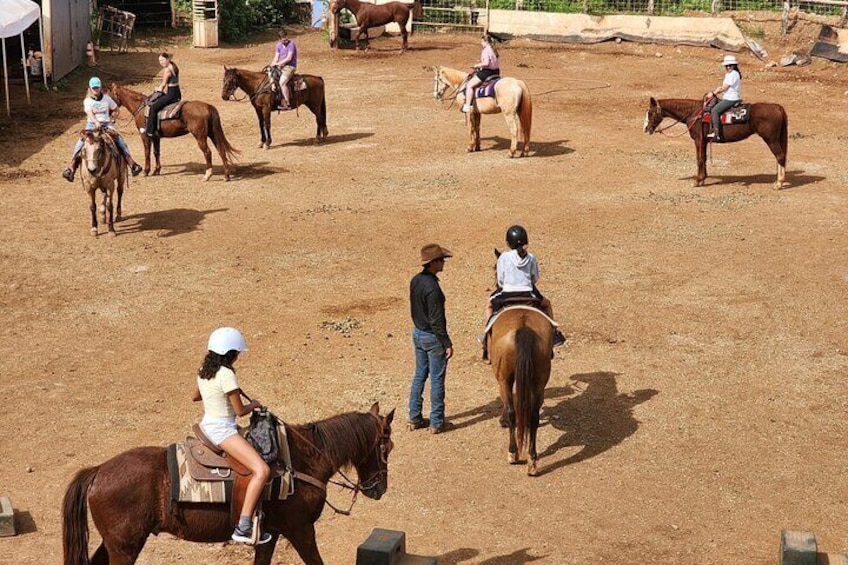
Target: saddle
{"type": "Point", "coordinates": [739, 113]}
{"type": "Point", "coordinates": [296, 84]}
{"type": "Point", "coordinates": [487, 88]}
{"type": "Point", "coordinates": [169, 112]}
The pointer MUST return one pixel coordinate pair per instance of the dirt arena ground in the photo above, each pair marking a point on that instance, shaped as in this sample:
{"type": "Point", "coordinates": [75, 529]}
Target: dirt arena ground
{"type": "Point", "coordinates": [698, 407]}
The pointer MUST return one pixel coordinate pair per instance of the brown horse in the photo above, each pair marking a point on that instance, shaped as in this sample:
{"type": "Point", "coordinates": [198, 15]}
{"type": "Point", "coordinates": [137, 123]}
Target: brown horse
{"type": "Point", "coordinates": [258, 87]}
{"type": "Point", "coordinates": [130, 494]}
{"type": "Point", "coordinates": [104, 169]}
{"type": "Point", "coordinates": [769, 121]}
{"type": "Point", "coordinates": [197, 118]}
{"type": "Point", "coordinates": [372, 15]}
{"type": "Point", "coordinates": [520, 348]}
{"type": "Point", "coordinates": [511, 97]}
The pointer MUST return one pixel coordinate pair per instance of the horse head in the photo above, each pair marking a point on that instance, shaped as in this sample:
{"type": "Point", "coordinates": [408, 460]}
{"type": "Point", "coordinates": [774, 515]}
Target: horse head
{"type": "Point", "coordinates": [440, 85]}
{"type": "Point", "coordinates": [230, 83]}
{"type": "Point", "coordinates": [92, 150]}
{"type": "Point", "coordinates": [373, 470]}
{"type": "Point", "coordinates": [337, 5]}
{"type": "Point", "coordinates": [653, 117]}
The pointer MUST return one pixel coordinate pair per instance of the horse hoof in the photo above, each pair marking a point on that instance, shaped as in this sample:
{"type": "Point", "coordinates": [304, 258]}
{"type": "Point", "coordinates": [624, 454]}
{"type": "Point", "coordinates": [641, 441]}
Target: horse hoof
{"type": "Point", "coordinates": [146, 173]}
{"type": "Point", "coordinates": [512, 459]}
{"type": "Point", "coordinates": [113, 233]}
{"type": "Point", "coordinates": [156, 173]}
{"type": "Point", "coordinates": [208, 175]}
{"type": "Point", "coordinates": [93, 231]}
{"type": "Point", "coordinates": [261, 145]}
{"type": "Point", "coordinates": [503, 422]}
{"type": "Point", "coordinates": [532, 471]}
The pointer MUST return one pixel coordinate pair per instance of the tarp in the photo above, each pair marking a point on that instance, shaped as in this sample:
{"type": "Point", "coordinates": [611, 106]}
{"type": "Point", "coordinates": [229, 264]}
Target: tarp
{"type": "Point", "coordinates": [832, 45]}
{"type": "Point", "coordinates": [582, 28]}
{"type": "Point", "coordinates": [16, 16]}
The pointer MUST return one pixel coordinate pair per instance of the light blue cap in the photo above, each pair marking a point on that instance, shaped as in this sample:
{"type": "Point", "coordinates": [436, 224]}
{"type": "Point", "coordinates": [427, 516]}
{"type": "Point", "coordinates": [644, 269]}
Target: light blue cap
{"type": "Point", "coordinates": [94, 83]}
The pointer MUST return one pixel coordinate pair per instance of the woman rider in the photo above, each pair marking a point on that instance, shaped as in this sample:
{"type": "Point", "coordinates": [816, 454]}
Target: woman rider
{"type": "Point", "coordinates": [170, 89]}
{"type": "Point", "coordinates": [732, 89]}
{"type": "Point", "coordinates": [488, 66]}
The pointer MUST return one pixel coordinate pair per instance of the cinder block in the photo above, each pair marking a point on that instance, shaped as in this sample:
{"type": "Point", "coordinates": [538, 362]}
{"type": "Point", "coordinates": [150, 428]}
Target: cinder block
{"type": "Point", "coordinates": [798, 548]}
{"type": "Point", "coordinates": [383, 547]}
{"type": "Point", "coordinates": [7, 517]}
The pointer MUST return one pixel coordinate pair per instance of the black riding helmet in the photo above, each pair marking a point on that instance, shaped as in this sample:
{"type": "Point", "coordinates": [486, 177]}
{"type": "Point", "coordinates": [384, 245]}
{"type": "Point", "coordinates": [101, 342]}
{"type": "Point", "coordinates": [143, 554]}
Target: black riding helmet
{"type": "Point", "coordinates": [516, 236]}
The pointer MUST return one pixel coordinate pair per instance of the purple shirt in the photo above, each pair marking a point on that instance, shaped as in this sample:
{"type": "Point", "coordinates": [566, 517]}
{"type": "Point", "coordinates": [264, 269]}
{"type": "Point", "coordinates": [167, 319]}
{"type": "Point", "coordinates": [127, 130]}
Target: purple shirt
{"type": "Point", "coordinates": [283, 51]}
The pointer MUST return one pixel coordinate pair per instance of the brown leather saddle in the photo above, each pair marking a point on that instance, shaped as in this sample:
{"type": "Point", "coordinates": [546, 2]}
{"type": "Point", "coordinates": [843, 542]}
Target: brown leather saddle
{"type": "Point", "coordinates": [169, 112]}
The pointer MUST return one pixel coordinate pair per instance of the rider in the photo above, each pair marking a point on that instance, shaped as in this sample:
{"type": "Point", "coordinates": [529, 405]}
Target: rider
{"type": "Point", "coordinates": [518, 272]}
{"type": "Point", "coordinates": [285, 57]}
{"type": "Point", "coordinates": [487, 67]}
{"type": "Point", "coordinates": [221, 395]}
{"type": "Point", "coordinates": [170, 89]}
{"type": "Point", "coordinates": [731, 87]}
{"type": "Point", "coordinates": [98, 108]}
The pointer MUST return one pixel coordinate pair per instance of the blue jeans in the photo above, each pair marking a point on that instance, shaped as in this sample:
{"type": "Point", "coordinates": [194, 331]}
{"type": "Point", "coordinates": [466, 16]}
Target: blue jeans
{"type": "Point", "coordinates": [121, 143]}
{"type": "Point", "coordinates": [430, 361]}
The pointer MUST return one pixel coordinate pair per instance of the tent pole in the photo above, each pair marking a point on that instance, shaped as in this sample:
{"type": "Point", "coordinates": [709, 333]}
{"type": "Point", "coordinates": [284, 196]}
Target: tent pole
{"type": "Point", "coordinates": [6, 79]}
{"type": "Point", "coordinates": [43, 57]}
{"type": "Point", "coordinates": [26, 76]}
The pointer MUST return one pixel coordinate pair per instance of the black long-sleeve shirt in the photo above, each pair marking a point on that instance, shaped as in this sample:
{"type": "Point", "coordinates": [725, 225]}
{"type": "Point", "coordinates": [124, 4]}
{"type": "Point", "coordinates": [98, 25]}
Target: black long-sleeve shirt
{"type": "Point", "coordinates": [427, 302]}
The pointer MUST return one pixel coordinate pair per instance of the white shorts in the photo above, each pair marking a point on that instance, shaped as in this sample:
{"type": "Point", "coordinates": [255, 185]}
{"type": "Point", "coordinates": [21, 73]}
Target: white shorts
{"type": "Point", "coordinates": [218, 429]}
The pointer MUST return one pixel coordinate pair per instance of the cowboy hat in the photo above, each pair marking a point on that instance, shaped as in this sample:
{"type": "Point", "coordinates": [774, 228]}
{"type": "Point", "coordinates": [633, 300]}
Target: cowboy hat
{"type": "Point", "coordinates": [433, 251]}
{"type": "Point", "coordinates": [729, 60]}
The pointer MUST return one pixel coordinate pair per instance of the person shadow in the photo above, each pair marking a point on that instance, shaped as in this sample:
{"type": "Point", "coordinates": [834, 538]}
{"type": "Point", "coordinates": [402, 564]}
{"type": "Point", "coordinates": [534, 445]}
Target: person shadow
{"type": "Point", "coordinates": [596, 420]}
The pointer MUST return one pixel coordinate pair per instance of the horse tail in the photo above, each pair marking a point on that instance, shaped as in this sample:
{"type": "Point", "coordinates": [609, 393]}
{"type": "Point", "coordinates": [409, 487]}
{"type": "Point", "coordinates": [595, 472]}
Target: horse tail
{"type": "Point", "coordinates": [525, 115]}
{"type": "Point", "coordinates": [216, 131]}
{"type": "Point", "coordinates": [75, 518]}
{"type": "Point", "coordinates": [784, 134]}
{"type": "Point", "coordinates": [525, 345]}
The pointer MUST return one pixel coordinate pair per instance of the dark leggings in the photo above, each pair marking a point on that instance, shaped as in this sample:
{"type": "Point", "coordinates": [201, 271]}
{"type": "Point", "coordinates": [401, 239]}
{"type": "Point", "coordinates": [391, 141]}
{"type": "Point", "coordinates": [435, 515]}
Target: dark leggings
{"type": "Point", "coordinates": [173, 95]}
{"type": "Point", "coordinates": [717, 110]}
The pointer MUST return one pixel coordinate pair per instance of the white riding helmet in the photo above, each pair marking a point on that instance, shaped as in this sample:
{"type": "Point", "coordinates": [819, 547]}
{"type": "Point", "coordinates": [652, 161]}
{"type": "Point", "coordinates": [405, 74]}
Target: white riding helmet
{"type": "Point", "coordinates": [729, 60]}
{"type": "Point", "coordinates": [224, 340]}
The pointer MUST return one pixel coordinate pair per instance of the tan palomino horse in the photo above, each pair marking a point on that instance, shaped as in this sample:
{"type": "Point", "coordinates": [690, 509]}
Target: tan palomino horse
{"type": "Point", "coordinates": [521, 347]}
{"type": "Point", "coordinates": [103, 168]}
{"type": "Point", "coordinates": [511, 97]}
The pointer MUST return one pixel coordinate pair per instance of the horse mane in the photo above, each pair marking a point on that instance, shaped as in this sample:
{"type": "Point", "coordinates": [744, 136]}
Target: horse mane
{"type": "Point", "coordinates": [452, 75]}
{"type": "Point", "coordinates": [682, 107]}
{"type": "Point", "coordinates": [343, 437]}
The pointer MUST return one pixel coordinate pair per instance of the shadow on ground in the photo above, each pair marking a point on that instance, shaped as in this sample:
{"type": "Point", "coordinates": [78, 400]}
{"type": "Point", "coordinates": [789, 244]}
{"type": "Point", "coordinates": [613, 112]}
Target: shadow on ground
{"type": "Point", "coordinates": [169, 222]}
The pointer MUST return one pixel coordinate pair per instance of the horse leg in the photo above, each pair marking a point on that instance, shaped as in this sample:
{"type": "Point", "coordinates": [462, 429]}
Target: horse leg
{"type": "Point", "coordinates": [101, 556]}
{"type": "Point", "coordinates": [261, 120]}
{"type": "Point", "coordinates": [473, 132]}
{"type": "Point", "coordinates": [403, 32]}
{"type": "Point", "coordinates": [266, 120]}
{"type": "Point", "coordinates": [93, 207]}
{"type": "Point", "coordinates": [108, 201]}
{"type": "Point", "coordinates": [509, 411]}
{"type": "Point", "coordinates": [156, 153]}
{"type": "Point", "coordinates": [302, 539]}
{"type": "Point", "coordinates": [121, 177]}
{"type": "Point", "coordinates": [779, 153]}
{"type": "Point", "coordinates": [701, 155]}
{"type": "Point", "coordinates": [533, 456]}
{"type": "Point", "coordinates": [145, 141]}
{"type": "Point", "coordinates": [263, 553]}
{"type": "Point", "coordinates": [201, 142]}
{"type": "Point", "coordinates": [512, 122]}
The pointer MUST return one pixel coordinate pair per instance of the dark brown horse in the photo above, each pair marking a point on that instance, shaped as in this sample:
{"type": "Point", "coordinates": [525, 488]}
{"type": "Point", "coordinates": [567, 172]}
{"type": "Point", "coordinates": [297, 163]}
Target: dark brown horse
{"type": "Point", "coordinates": [129, 495]}
{"type": "Point", "coordinates": [372, 15]}
{"type": "Point", "coordinates": [197, 118]}
{"type": "Point", "coordinates": [258, 87]}
{"type": "Point", "coordinates": [520, 348]}
{"type": "Point", "coordinates": [769, 121]}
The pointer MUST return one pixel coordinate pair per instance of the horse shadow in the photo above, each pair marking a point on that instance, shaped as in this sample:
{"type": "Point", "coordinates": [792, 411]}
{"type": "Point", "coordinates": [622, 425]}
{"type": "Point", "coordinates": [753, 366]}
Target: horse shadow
{"type": "Point", "coordinates": [329, 140]}
{"type": "Point", "coordinates": [597, 419]}
{"type": "Point", "coordinates": [172, 222]}
{"type": "Point", "coordinates": [517, 557]}
{"type": "Point", "coordinates": [537, 148]}
{"type": "Point", "coordinates": [256, 171]}
{"type": "Point", "coordinates": [795, 179]}
{"type": "Point", "coordinates": [492, 410]}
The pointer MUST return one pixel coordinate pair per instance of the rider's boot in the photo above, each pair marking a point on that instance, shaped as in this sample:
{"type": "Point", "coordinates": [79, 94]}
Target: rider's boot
{"type": "Point", "coordinates": [244, 532]}
{"type": "Point", "coordinates": [70, 170]}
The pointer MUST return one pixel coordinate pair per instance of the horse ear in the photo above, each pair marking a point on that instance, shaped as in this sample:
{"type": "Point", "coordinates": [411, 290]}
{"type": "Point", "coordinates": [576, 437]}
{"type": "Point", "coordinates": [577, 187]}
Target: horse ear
{"type": "Point", "coordinates": [653, 102]}
{"type": "Point", "coordinates": [497, 253]}
{"type": "Point", "coordinates": [225, 68]}
{"type": "Point", "coordinates": [375, 408]}
{"type": "Point", "coordinates": [390, 416]}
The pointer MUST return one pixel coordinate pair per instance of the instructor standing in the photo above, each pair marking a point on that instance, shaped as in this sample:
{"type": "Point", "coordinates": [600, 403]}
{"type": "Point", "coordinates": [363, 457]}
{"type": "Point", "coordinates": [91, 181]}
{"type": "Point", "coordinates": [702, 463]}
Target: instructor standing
{"type": "Point", "coordinates": [433, 346]}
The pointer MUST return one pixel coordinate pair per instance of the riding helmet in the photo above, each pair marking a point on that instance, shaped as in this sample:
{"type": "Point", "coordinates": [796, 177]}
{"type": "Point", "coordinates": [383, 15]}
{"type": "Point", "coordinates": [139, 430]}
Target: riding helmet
{"type": "Point", "coordinates": [224, 340]}
{"type": "Point", "coordinates": [516, 236]}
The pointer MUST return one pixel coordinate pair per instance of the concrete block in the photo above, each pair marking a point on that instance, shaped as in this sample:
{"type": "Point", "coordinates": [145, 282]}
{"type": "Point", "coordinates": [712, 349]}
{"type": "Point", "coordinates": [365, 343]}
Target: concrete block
{"type": "Point", "coordinates": [383, 547]}
{"type": "Point", "coordinates": [798, 548]}
{"type": "Point", "coordinates": [7, 517]}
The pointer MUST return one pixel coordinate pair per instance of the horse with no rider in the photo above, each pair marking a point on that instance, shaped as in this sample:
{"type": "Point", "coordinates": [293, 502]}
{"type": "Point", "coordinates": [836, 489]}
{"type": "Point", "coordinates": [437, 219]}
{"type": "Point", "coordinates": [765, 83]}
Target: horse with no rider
{"type": "Point", "coordinates": [370, 15]}
{"type": "Point", "coordinates": [130, 495]}
{"type": "Point", "coordinates": [769, 121]}
{"type": "Point", "coordinates": [307, 90]}
{"type": "Point", "coordinates": [197, 118]}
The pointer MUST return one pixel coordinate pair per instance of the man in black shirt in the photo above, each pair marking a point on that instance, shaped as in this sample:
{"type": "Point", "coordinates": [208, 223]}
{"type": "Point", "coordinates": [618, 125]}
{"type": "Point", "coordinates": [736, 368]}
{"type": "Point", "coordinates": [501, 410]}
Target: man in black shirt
{"type": "Point", "coordinates": [430, 339]}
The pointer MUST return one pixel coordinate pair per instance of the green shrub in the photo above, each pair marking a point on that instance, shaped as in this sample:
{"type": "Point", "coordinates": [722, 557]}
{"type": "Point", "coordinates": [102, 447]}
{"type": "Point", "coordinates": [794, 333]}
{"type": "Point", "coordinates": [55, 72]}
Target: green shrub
{"type": "Point", "coordinates": [237, 19]}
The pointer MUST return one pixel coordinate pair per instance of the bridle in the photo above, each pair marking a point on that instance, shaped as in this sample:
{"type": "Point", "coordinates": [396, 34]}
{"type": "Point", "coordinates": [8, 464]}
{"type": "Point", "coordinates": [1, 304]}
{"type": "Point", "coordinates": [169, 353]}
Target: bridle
{"type": "Point", "coordinates": [98, 155]}
{"type": "Point", "coordinates": [232, 86]}
{"type": "Point", "coordinates": [439, 93]}
{"type": "Point", "coordinates": [685, 120]}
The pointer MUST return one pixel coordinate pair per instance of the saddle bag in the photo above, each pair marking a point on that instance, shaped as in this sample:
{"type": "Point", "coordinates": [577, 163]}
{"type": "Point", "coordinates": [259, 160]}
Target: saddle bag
{"type": "Point", "coordinates": [263, 435]}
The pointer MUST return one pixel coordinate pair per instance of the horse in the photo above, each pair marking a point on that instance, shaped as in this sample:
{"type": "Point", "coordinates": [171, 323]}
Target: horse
{"type": "Point", "coordinates": [103, 168]}
{"type": "Point", "coordinates": [769, 121]}
{"type": "Point", "coordinates": [258, 87]}
{"type": "Point", "coordinates": [197, 118]}
{"type": "Point", "coordinates": [520, 348]}
{"type": "Point", "coordinates": [129, 496]}
{"type": "Point", "coordinates": [512, 97]}
{"type": "Point", "coordinates": [372, 15]}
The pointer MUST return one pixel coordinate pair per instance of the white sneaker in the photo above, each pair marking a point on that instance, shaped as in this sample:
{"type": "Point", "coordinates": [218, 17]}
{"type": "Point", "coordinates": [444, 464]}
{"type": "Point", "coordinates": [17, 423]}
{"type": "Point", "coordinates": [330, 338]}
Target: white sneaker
{"type": "Point", "coordinates": [467, 108]}
{"type": "Point", "coordinates": [247, 537]}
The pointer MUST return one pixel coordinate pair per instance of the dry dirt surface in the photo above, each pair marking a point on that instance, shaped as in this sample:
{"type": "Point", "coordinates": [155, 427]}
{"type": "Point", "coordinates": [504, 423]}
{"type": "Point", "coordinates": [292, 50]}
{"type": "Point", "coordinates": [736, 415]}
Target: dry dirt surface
{"type": "Point", "coordinates": [698, 407]}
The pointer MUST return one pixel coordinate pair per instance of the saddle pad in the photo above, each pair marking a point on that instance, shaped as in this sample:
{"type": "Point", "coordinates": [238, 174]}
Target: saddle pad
{"type": "Point", "coordinates": [487, 89]}
{"type": "Point", "coordinates": [737, 114]}
{"type": "Point", "coordinates": [169, 112]}
{"type": "Point", "coordinates": [185, 488]}
{"type": "Point", "coordinates": [517, 307]}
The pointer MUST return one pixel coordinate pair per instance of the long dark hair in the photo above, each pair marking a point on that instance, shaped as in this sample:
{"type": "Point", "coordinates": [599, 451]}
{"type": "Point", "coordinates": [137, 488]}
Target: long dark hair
{"type": "Point", "coordinates": [214, 361]}
{"type": "Point", "coordinates": [736, 68]}
{"type": "Point", "coordinates": [171, 62]}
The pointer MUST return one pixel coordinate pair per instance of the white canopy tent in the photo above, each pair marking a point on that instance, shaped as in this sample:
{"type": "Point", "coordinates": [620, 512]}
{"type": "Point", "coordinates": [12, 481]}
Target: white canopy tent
{"type": "Point", "coordinates": [15, 18]}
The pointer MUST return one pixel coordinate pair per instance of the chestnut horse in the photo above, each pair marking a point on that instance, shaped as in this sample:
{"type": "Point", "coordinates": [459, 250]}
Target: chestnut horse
{"type": "Point", "coordinates": [130, 494]}
{"type": "Point", "coordinates": [103, 168]}
{"type": "Point", "coordinates": [511, 97]}
{"type": "Point", "coordinates": [521, 346]}
{"type": "Point", "coordinates": [258, 87]}
{"type": "Point", "coordinates": [370, 15]}
{"type": "Point", "coordinates": [769, 121]}
{"type": "Point", "coordinates": [197, 118]}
